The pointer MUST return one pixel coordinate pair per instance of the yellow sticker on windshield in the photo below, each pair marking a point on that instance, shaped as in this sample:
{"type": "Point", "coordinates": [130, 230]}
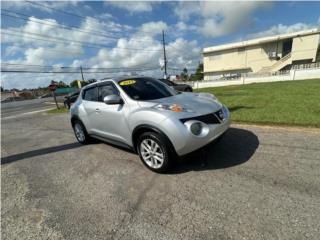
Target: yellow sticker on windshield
{"type": "Point", "coordinates": [127, 82]}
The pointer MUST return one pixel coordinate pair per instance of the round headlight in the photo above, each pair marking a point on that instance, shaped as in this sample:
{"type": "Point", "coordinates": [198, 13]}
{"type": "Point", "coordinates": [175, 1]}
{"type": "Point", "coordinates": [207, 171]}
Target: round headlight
{"type": "Point", "coordinates": [196, 128]}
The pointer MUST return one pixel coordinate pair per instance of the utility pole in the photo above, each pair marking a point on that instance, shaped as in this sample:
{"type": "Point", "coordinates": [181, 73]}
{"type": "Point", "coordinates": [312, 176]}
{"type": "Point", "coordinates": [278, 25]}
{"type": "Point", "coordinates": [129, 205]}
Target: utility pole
{"type": "Point", "coordinates": [81, 73]}
{"type": "Point", "coordinates": [164, 55]}
{"type": "Point", "coordinates": [79, 84]}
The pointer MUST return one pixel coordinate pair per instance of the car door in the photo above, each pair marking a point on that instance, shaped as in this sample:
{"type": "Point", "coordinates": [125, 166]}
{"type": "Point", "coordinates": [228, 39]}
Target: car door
{"type": "Point", "coordinates": [89, 101]}
{"type": "Point", "coordinates": [111, 120]}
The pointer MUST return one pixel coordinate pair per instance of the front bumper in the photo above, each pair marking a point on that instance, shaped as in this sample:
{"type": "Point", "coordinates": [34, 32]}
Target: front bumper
{"type": "Point", "coordinates": [185, 142]}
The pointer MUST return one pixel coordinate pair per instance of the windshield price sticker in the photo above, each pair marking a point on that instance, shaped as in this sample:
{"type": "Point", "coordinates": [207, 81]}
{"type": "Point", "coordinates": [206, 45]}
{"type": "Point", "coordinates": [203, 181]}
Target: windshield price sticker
{"type": "Point", "coordinates": [127, 82]}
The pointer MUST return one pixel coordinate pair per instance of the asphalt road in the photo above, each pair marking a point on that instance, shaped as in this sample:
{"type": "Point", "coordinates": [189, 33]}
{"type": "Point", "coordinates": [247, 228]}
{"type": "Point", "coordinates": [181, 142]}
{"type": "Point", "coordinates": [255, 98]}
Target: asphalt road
{"type": "Point", "coordinates": [19, 108]}
{"type": "Point", "coordinates": [256, 183]}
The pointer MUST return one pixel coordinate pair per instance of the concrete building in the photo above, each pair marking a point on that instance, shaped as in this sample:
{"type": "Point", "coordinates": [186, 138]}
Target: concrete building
{"type": "Point", "coordinates": [261, 55]}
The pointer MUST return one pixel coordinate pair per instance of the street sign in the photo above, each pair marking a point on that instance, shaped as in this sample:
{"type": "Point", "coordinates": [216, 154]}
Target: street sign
{"type": "Point", "coordinates": [52, 87]}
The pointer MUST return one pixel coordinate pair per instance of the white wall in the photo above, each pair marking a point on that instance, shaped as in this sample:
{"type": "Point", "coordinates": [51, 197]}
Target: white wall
{"type": "Point", "coordinates": [299, 74]}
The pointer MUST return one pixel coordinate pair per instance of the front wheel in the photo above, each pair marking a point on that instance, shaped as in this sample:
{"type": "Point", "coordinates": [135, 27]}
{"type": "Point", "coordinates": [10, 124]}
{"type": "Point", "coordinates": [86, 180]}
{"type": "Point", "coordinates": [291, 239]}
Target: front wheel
{"type": "Point", "coordinates": [154, 151]}
{"type": "Point", "coordinates": [80, 132]}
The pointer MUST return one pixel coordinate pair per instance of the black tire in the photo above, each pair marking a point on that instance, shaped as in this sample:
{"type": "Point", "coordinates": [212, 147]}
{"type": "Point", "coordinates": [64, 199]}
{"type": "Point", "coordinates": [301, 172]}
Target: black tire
{"type": "Point", "coordinates": [166, 149]}
{"type": "Point", "coordinates": [188, 90]}
{"type": "Point", "coordinates": [86, 139]}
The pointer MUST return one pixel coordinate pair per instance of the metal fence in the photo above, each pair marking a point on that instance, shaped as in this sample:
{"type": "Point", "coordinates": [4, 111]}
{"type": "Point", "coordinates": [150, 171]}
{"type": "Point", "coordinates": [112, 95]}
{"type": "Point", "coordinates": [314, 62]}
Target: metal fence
{"type": "Point", "coordinates": [306, 66]}
{"type": "Point", "coordinates": [299, 72]}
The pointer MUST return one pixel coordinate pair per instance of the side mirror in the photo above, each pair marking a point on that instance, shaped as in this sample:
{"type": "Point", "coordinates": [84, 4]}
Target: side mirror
{"type": "Point", "coordinates": [113, 99]}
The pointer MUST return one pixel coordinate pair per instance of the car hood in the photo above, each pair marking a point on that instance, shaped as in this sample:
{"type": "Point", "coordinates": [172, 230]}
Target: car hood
{"type": "Point", "coordinates": [196, 102]}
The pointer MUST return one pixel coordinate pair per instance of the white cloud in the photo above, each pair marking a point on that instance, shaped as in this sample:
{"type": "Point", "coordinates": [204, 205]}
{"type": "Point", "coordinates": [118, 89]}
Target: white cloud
{"type": "Point", "coordinates": [132, 6]}
{"type": "Point", "coordinates": [23, 5]}
{"type": "Point", "coordinates": [282, 29]}
{"type": "Point", "coordinates": [180, 53]}
{"type": "Point", "coordinates": [121, 56]}
{"type": "Point", "coordinates": [216, 19]}
{"type": "Point", "coordinates": [105, 16]}
{"type": "Point", "coordinates": [185, 9]}
{"type": "Point", "coordinates": [152, 28]}
{"type": "Point", "coordinates": [44, 52]}
{"type": "Point", "coordinates": [32, 80]}
{"type": "Point", "coordinates": [182, 26]}
{"type": "Point", "coordinates": [183, 53]}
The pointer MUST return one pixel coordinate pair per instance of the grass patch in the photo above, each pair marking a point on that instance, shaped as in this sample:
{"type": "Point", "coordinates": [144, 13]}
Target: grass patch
{"type": "Point", "coordinates": [281, 103]}
{"type": "Point", "coordinates": [60, 110]}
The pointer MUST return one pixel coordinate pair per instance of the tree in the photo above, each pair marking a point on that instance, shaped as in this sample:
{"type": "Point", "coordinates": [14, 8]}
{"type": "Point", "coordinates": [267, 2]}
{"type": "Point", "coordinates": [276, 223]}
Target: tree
{"type": "Point", "coordinates": [62, 84]}
{"type": "Point", "coordinates": [198, 76]}
{"type": "Point", "coordinates": [74, 83]}
{"type": "Point", "coordinates": [184, 74]}
{"type": "Point", "coordinates": [92, 80]}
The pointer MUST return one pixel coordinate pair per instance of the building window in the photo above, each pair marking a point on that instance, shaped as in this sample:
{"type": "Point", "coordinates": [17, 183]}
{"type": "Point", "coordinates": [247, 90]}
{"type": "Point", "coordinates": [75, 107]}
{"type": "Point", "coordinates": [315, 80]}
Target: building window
{"type": "Point", "coordinates": [272, 54]}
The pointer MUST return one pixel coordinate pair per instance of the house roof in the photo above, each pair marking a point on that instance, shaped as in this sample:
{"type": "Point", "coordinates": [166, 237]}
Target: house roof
{"type": "Point", "coordinates": [257, 41]}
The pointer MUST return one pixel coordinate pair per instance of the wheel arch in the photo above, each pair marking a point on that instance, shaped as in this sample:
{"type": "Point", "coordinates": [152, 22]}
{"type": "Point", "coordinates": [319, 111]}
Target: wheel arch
{"type": "Point", "coordinates": [140, 129]}
{"type": "Point", "coordinates": [75, 118]}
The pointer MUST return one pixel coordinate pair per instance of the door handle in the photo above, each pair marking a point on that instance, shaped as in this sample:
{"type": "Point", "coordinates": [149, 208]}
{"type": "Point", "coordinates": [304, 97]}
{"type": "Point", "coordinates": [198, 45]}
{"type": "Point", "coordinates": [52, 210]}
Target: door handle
{"type": "Point", "coordinates": [98, 110]}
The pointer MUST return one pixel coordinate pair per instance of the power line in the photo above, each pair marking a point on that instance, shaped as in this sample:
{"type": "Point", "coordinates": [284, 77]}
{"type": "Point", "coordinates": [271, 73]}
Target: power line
{"type": "Point", "coordinates": [86, 44]}
{"type": "Point", "coordinates": [28, 71]}
{"type": "Point", "coordinates": [69, 27]}
{"type": "Point", "coordinates": [24, 68]}
{"type": "Point", "coordinates": [69, 13]}
{"type": "Point", "coordinates": [62, 67]}
{"type": "Point", "coordinates": [48, 49]}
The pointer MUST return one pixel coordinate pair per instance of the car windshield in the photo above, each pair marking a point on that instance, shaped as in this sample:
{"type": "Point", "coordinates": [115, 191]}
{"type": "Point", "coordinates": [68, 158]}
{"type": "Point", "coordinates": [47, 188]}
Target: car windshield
{"type": "Point", "coordinates": [146, 89]}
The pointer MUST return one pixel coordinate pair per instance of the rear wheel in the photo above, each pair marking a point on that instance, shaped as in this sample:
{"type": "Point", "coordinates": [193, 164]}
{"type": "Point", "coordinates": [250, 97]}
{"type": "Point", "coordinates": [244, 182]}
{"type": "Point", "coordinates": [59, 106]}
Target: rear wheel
{"type": "Point", "coordinates": [188, 90]}
{"type": "Point", "coordinates": [154, 151]}
{"type": "Point", "coordinates": [81, 132]}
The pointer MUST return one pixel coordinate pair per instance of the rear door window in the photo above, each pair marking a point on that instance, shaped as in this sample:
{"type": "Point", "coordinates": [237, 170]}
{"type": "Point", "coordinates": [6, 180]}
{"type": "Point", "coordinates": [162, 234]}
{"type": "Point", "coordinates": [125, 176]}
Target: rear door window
{"type": "Point", "coordinates": [91, 94]}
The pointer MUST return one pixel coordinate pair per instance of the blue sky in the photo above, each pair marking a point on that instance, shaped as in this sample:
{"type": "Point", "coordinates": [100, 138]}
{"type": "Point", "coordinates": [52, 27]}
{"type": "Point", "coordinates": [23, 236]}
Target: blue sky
{"type": "Point", "coordinates": [128, 34]}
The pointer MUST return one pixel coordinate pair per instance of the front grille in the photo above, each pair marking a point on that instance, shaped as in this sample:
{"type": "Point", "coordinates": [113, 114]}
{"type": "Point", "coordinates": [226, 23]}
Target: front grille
{"type": "Point", "coordinates": [211, 118]}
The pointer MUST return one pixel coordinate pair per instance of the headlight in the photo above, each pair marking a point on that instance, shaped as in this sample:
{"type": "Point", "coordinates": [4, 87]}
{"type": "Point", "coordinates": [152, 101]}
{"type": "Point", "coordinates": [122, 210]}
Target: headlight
{"type": "Point", "coordinates": [172, 107]}
{"type": "Point", "coordinates": [196, 128]}
{"type": "Point", "coordinates": [225, 111]}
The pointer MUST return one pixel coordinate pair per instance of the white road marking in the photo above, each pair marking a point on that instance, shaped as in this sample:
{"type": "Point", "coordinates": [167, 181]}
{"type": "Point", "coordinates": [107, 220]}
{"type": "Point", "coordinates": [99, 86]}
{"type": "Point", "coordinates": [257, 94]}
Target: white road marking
{"type": "Point", "coordinates": [27, 113]}
{"type": "Point", "coordinates": [50, 103]}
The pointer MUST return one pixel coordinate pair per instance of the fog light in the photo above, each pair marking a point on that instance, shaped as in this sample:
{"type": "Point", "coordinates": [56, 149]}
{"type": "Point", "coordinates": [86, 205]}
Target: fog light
{"type": "Point", "coordinates": [196, 128]}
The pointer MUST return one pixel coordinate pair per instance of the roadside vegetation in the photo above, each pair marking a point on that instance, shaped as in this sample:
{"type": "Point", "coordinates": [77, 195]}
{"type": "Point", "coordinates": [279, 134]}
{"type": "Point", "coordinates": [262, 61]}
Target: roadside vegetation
{"type": "Point", "coordinates": [281, 103]}
{"type": "Point", "coordinates": [60, 110]}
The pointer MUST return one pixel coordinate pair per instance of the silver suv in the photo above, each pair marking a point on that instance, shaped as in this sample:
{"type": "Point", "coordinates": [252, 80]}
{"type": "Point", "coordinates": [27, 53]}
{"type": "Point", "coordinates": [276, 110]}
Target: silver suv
{"type": "Point", "coordinates": [149, 117]}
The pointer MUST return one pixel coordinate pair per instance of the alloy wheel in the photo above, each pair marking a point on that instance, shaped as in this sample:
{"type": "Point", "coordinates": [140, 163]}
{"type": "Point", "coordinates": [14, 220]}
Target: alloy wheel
{"type": "Point", "coordinates": [151, 153]}
{"type": "Point", "coordinates": [79, 132]}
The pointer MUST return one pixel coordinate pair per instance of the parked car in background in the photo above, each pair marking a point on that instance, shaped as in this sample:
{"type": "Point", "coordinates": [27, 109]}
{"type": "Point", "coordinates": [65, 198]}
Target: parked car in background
{"type": "Point", "coordinates": [70, 99]}
{"type": "Point", "coordinates": [149, 117]}
{"type": "Point", "coordinates": [178, 87]}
